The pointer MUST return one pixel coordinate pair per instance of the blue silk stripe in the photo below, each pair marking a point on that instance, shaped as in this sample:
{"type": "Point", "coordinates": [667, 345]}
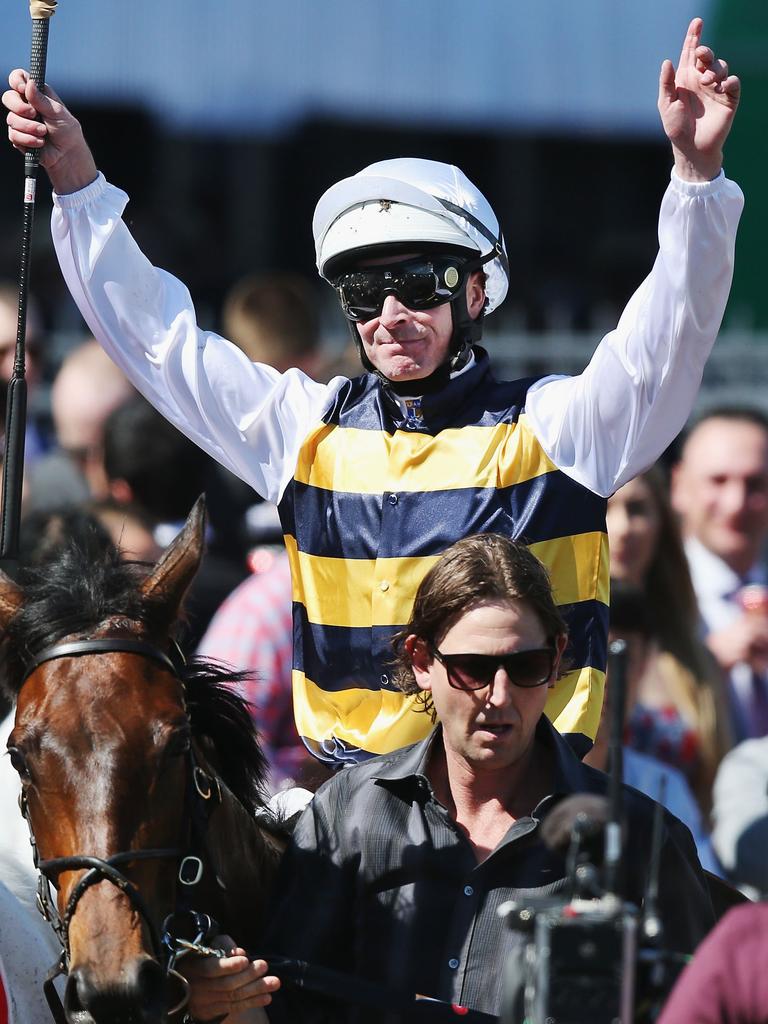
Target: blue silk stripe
{"type": "Point", "coordinates": [338, 658]}
{"type": "Point", "coordinates": [407, 524]}
{"type": "Point", "coordinates": [588, 631]}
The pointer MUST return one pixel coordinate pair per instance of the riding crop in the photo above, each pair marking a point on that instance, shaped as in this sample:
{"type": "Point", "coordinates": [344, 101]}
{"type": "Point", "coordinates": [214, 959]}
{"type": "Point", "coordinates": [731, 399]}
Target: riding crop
{"type": "Point", "coordinates": [16, 414]}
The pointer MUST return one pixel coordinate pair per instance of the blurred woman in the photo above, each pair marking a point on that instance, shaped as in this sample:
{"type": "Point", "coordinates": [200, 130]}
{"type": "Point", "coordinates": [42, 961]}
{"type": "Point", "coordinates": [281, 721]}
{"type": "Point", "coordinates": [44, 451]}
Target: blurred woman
{"type": "Point", "coordinates": [682, 715]}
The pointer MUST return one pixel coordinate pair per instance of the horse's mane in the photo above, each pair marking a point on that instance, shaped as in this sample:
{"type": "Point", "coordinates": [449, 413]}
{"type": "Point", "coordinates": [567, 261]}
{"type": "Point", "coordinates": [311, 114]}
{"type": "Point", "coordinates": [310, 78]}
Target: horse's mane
{"type": "Point", "coordinates": [221, 720]}
{"type": "Point", "coordinates": [86, 583]}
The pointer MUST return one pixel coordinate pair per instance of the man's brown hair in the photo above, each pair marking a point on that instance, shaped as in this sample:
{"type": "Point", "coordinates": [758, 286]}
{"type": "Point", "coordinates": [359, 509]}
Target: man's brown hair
{"type": "Point", "coordinates": [484, 568]}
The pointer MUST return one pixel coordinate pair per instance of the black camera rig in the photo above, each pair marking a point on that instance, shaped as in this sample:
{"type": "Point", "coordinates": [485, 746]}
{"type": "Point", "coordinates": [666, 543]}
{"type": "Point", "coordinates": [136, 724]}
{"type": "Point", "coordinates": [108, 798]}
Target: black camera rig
{"type": "Point", "coordinates": [589, 955]}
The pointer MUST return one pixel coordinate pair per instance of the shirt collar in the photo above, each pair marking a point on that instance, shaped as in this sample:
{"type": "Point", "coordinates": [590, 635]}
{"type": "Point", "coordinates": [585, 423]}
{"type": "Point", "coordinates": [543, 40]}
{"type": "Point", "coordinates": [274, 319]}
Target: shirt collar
{"type": "Point", "coordinates": [439, 408]}
{"type": "Point", "coordinates": [405, 771]}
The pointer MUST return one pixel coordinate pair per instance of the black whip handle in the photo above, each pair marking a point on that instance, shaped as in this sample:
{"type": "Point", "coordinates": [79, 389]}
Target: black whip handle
{"type": "Point", "coordinates": [16, 413]}
{"type": "Point", "coordinates": [37, 62]}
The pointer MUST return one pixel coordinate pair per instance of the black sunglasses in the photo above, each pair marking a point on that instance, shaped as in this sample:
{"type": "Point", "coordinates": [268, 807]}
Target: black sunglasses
{"type": "Point", "coordinates": [474, 671]}
{"type": "Point", "coordinates": [419, 283]}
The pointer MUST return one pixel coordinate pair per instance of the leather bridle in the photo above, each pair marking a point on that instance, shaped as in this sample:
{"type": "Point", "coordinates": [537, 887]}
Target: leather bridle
{"type": "Point", "coordinates": [202, 791]}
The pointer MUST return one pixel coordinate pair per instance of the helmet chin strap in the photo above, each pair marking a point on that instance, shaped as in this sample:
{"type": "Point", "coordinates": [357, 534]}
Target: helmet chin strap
{"type": "Point", "coordinates": [466, 332]}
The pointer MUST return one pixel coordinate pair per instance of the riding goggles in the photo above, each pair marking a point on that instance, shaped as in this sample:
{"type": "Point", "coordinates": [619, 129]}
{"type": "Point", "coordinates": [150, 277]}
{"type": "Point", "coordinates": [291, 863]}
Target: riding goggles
{"type": "Point", "coordinates": [421, 283]}
{"type": "Point", "coordinates": [526, 669]}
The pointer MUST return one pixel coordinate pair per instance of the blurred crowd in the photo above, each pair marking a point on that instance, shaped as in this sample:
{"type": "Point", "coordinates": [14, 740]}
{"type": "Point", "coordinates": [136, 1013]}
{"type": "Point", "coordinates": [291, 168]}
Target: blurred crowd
{"type": "Point", "coordinates": [689, 590]}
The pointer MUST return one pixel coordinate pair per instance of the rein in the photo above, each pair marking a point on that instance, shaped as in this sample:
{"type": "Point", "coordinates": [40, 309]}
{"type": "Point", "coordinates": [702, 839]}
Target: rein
{"type": "Point", "coordinates": [203, 791]}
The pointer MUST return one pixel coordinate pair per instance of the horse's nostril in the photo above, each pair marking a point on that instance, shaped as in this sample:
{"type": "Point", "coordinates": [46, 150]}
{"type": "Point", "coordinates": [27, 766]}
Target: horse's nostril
{"type": "Point", "coordinates": [150, 980]}
{"type": "Point", "coordinates": [76, 988]}
{"type": "Point", "coordinates": [138, 999]}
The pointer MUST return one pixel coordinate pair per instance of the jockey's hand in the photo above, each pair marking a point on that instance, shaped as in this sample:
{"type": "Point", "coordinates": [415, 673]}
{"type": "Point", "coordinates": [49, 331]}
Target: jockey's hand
{"type": "Point", "coordinates": [57, 135]}
{"type": "Point", "coordinates": [697, 104]}
{"type": "Point", "coordinates": [230, 985]}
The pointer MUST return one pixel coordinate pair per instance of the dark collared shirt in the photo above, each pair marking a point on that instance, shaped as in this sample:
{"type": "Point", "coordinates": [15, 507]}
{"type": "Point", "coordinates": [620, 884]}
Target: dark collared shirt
{"type": "Point", "coordinates": [380, 882]}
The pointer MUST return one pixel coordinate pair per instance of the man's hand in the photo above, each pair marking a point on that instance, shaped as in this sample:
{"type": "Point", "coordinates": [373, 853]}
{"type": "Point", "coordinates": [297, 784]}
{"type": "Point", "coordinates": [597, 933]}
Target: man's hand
{"type": "Point", "coordinates": [231, 985]}
{"type": "Point", "coordinates": [697, 104]}
{"type": "Point", "coordinates": [745, 640]}
{"type": "Point", "coordinates": [58, 136]}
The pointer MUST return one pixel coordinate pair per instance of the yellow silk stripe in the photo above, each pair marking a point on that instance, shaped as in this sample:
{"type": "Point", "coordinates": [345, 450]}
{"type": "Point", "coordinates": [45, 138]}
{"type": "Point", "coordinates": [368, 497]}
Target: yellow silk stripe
{"type": "Point", "coordinates": [578, 566]}
{"type": "Point", "coordinates": [347, 459]}
{"type": "Point", "coordinates": [575, 703]}
{"type": "Point", "coordinates": [380, 721]}
{"type": "Point", "coordinates": [356, 591]}
{"type": "Point", "coordinates": [379, 592]}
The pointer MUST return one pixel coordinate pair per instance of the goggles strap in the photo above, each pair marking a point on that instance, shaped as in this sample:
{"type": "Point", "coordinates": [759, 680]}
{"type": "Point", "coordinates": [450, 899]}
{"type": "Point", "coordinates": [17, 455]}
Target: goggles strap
{"type": "Point", "coordinates": [498, 243]}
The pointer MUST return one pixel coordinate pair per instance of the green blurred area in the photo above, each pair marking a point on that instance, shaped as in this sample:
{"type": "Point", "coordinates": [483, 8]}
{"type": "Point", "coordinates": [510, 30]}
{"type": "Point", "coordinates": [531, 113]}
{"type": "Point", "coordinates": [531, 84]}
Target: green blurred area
{"type": "Point", "coordinates": [739, 29]}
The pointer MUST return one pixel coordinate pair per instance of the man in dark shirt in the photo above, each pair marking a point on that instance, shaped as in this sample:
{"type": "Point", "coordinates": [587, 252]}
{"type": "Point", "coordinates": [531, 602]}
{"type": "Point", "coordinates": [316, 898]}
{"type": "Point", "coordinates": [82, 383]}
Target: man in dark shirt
{"type": "Point", "coordinates": [398, 867]}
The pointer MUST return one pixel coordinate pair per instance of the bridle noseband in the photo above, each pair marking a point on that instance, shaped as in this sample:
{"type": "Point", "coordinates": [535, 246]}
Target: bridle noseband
{"type": "Point", "coordinates": [202, 791]}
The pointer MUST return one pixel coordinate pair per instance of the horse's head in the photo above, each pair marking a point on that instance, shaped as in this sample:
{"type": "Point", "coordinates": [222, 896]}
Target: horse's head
{"type": "Point", "coordinates": [102, 743]}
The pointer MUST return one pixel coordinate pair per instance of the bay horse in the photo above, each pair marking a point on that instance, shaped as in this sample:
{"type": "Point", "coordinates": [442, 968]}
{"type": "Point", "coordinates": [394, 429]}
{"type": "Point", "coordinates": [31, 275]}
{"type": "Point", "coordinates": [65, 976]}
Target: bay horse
{"type": "Point", "coordinates": [141, 775]}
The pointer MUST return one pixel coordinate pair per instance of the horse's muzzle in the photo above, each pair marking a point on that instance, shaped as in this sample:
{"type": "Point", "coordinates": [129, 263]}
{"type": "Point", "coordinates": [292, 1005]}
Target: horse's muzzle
{"type": "Point", "coordinates": [139, 998]}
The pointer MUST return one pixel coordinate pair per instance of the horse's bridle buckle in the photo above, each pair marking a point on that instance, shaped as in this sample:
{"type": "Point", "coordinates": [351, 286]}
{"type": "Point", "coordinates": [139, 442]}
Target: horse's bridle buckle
{"type": "Point", "coordinates": [205, 785]}
{"type": "Point", "coordinates": [190, 870]}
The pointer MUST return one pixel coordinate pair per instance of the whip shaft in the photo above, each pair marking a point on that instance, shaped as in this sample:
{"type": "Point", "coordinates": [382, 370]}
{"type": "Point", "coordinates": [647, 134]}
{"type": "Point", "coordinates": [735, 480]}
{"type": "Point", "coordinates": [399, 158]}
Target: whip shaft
{"type": "Point", "coordinates": [16, 412]}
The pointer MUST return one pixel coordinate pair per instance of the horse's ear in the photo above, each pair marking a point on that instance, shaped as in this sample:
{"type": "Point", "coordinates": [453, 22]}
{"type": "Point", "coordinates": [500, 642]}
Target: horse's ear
{"type": "Point", "coordinates": [171, 577]}
{"type": "Point", "coordinates": [11, 599]}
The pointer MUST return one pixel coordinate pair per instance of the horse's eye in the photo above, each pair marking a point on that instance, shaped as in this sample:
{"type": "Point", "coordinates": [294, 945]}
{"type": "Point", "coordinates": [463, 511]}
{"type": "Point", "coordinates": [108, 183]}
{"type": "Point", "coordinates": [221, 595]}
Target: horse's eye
{"type": "Point", "coordinates": [179, 743]}
{"type": "Point", "coordinates": [18, 763]}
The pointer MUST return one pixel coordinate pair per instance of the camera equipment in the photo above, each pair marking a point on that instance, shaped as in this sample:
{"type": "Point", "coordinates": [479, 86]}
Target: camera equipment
{"type": "Point", "coordinates": [578, 955]}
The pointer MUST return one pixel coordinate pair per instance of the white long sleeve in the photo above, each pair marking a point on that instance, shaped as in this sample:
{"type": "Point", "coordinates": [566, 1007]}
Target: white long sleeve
{"type": "Point", "coordinates": [248, 416]}
{"type": "Point", "coordinates": [612, 421]}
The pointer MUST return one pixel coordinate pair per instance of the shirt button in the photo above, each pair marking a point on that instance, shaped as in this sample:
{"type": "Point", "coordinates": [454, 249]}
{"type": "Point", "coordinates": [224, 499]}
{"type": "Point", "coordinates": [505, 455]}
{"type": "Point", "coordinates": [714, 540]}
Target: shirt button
{"type": "Point", "coordinates": [393, 499]}
{"type": "Point", "coordinates": [384, 585]}
{"type": "Point", "coordinates": [384, 679]}
{"type": "Point", "coordinates": [453, 963]}
{"type": "Point", "coordinates": [468, 890]}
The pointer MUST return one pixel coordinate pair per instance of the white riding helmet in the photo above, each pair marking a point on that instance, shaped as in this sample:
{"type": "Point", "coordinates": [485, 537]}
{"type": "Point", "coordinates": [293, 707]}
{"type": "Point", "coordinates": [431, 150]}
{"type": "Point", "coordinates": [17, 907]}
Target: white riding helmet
{"type": "Point", "coordinates": [396, 202]}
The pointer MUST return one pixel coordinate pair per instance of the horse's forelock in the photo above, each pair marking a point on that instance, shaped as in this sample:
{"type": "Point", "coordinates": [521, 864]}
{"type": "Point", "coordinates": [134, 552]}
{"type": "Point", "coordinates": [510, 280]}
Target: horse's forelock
{"type": "Point", "coordinates": [83, 585]}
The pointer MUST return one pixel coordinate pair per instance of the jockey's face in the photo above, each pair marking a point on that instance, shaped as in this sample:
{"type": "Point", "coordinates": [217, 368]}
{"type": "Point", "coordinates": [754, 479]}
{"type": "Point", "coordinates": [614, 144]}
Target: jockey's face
{"type": "Point", "coordinates": [406, 344]}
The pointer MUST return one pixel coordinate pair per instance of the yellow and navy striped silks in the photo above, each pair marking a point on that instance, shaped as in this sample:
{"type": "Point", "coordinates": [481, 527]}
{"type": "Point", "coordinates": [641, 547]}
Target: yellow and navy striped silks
{"type": "Point", "coordinates": [374, 502]}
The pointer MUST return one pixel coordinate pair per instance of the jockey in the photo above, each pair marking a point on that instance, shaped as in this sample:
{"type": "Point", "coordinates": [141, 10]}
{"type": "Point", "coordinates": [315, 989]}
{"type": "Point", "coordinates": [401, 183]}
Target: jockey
{"type": "Point", "coordinates": [375, 476]}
